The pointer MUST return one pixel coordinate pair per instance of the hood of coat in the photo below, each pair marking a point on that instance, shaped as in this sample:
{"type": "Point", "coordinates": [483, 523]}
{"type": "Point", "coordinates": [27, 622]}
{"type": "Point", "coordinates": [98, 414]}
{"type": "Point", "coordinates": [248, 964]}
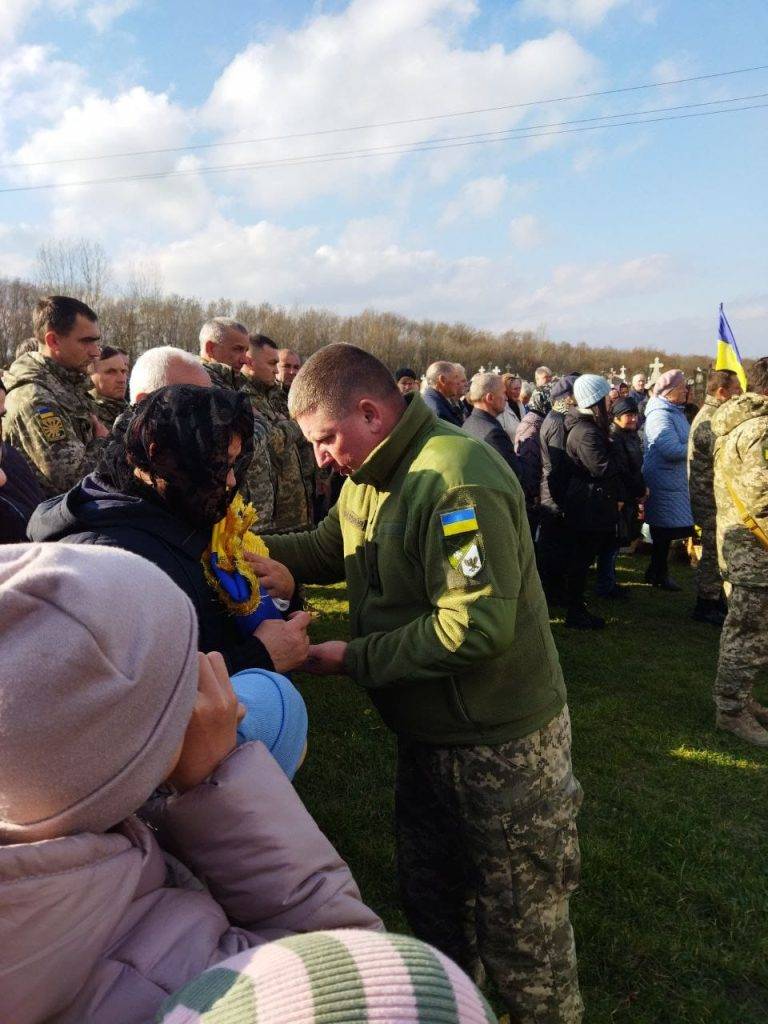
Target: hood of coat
{"type": "Point", "coordinates": [574, 415]}
{"type": "Point", "coordinates": [94, 505]}
{"type": "Point", "coordinates": [63, 900]}
{"type": "Point", "coordinates": [738, 410]}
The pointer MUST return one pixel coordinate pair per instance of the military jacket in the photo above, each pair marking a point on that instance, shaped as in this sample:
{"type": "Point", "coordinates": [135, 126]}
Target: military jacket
{"type": "Point", "coordinates": [309, 467]}
{"type": "Point", "coordinates": [259, 485]}
{"type": "Point", "coordinates": [48, 418]}
{"type": "Point", "coordinates": [701, 468]}
{"type": "Point", "coordinates": [108, 409]}
{"type": "Point", "coordinates": [293, 508]}
{"type": "Point", "coordinates": [450, 628]}
{"type": "Point", "coordinates": [740, 427]}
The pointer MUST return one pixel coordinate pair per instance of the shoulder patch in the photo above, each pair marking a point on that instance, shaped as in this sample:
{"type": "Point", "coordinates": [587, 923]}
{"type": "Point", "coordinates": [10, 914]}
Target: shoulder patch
{"type": "Point", "coordinates": [467, 560]}
{"type": "Point", "coordinates": [461, 520]}
{"type": "Point", "coordinates": [50, 424]}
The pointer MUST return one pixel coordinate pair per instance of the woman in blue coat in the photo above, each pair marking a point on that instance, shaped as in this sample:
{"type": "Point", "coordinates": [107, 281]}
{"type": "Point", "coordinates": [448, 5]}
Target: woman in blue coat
{"type": "Point", "coordinates": [668, 506]}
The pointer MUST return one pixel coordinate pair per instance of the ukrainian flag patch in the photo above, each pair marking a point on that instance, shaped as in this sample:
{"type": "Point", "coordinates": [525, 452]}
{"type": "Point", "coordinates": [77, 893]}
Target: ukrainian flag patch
{"type": "Point", "coordinates": [461, 520]}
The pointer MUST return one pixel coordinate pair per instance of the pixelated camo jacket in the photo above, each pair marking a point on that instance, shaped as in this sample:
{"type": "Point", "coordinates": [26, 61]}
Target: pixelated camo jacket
{"type": "Point", "coordinates": [342, 976]}
{"type": "Point", "coordinates": [740, 427]}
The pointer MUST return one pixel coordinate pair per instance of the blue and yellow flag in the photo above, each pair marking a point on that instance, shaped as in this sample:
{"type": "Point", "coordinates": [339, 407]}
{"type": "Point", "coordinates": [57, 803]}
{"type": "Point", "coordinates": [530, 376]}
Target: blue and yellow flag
{"type": "Point", "coordinates": [728, 357]}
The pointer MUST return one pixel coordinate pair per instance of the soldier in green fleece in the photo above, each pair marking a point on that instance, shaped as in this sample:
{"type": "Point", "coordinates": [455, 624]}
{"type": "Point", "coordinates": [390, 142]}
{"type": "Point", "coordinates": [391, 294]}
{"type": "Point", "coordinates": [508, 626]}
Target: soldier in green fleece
{"type": "Point", "coordinates": [451, 638]}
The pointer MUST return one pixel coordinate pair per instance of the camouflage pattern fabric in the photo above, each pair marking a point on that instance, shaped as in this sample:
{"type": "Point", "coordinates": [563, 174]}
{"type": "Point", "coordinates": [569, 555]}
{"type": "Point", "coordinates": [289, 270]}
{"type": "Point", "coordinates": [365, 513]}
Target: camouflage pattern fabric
{"type": "Point", "coordinates": [48, 418]}
{"type": "Point", "coordinates": [293, 510]}
{"type": "Point", "coordinates": [309, 467]}
{"type": "Point", "coordinates": [108, 409]}
{"type": "Point", "coordinates": [743, 649]}
{"type": "Point", "coordinates": [740, 427]}
{"type": "Point", "coordinates": [488, 856]}
{"type": "Point", "coordinates": [259, 485]}
{"type": "Point", "coordinates": [701, 486]}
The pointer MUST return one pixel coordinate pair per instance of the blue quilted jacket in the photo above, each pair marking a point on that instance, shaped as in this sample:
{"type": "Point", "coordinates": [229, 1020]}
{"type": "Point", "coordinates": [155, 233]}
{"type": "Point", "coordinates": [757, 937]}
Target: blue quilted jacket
{"type": "Point", "coordinates": [664, 467]}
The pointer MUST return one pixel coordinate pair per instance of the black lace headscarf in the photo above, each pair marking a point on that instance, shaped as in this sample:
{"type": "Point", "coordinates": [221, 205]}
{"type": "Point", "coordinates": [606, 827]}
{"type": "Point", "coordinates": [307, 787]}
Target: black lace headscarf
{"type": "Point", "coordinates": [179, 437]}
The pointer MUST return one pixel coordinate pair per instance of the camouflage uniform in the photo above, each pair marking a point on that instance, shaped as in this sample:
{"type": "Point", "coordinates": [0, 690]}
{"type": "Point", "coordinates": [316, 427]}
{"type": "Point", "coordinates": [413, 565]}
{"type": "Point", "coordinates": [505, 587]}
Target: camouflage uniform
{"type": "Point", "coordinates": [48, 418]}
{"type": "Point", "coordinates": [108, 409]}
{"type": "Point", "coordinates": [701, 448]}
{"type": "Point", "coordinates": [293, 510]}
{"type": "Point", "coordinates": [740, 427]}
{"type": "Point", "coordinates": [499, 822]}
{"type": "Point", "coordinates": [309, 467]}
{"type": "Point", "coordinates": [259, 485]}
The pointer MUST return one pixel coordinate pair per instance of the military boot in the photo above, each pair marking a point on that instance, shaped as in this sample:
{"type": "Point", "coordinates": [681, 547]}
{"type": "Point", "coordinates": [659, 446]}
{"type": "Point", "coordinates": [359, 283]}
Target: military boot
{"type": "Point", "coordinates": [744, 726]}
{"type": "Point", "coordinates": [758, 711]}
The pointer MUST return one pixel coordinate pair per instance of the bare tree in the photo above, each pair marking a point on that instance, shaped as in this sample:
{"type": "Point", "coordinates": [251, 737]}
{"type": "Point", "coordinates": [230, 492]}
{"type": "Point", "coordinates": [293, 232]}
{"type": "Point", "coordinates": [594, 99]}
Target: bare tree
{"type": "Point", "coordinates": [78, 267]}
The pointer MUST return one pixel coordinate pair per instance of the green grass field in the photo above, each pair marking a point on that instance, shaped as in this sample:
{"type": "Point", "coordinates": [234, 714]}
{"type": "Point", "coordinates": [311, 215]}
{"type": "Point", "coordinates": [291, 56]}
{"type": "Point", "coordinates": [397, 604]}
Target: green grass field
{"type": "Point", "coordinates": [672, 917]}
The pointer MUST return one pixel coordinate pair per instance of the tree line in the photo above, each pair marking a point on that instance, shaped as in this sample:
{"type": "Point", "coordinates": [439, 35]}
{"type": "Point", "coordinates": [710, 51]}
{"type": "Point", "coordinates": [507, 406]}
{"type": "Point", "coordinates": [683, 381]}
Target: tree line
{"type": "Point", "coordinates": [141, 316]}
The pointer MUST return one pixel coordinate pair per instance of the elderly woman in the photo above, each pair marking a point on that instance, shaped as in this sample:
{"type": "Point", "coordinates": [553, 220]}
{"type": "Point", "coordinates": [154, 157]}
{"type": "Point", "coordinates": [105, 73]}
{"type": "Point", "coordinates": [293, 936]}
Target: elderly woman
{"type": "Point", "coordinates": [161, 487]}
{"type": "Point", "coordinates": [668, 506]}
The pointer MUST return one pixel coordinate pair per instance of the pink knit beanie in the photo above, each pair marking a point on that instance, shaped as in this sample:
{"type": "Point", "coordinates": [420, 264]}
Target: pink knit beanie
{"type": "Point", "coordinates": [344, 977]}
{"type": "Point", "coordinates": [98, 679]}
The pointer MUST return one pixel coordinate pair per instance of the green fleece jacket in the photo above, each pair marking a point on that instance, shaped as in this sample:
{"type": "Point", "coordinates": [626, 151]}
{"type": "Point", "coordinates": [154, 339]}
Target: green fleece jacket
{"type": "Point", "coordinates": [450, 631]}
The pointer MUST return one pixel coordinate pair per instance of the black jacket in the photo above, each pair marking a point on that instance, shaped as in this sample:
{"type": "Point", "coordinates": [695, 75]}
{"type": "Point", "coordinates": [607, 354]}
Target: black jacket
{"type": "Point", "coordinates": [19, 496]}
{"type": "Point", "coordinates": [442, 408]}
{"type": "Point", "coordinates": [628, 457]}
{"type": "Point", "coordinates": [591, 501]}
{"type": "Point", "coordinates": [485, 427]}
{"type": "Point", "coordinates": [555, 466]}
{"type": "Point", "coordinates": [94, 513]}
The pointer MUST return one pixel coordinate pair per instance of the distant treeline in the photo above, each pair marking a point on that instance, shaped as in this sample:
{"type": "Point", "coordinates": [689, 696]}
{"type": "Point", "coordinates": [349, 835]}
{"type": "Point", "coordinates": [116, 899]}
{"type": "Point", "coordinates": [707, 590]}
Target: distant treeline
{"type": "Point", "coordinates": [143, 317]}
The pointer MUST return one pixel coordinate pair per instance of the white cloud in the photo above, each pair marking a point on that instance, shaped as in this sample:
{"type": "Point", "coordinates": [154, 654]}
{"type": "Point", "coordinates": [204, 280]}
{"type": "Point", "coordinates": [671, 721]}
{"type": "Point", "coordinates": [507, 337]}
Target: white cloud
{"type": "Point", "coordinates": [104, 13]}
{"type": "Point", "coordinates": [478, 198]}
{"type": "Point", "coordinates": [378, 61]}
{"type": "Point", "coordinates": [574, 285]}
{"type": "Point", "coordinates": [584, 13]}
{"type": "Point", "coordinates": [526, 231]}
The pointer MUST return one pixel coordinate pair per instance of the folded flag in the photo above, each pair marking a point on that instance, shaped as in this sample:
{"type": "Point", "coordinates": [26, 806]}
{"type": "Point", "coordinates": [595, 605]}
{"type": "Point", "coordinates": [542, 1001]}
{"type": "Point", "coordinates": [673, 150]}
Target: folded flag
{"type": "Point", "coordinates": [229, 572]}
{"type": "Point", "coordinates": [728, 357]}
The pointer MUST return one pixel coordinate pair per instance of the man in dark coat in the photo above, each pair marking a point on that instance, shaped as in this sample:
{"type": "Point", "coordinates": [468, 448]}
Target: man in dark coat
{"type": "Point", "coordinates": [487, 397]}
{"type": "Point", "coordinates": [445, 388]}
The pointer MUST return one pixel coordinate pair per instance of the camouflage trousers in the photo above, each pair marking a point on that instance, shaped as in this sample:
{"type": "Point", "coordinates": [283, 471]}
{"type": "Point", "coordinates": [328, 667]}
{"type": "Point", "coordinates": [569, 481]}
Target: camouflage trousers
{"type": "Point", "coordinates": [743, 648]}
{"type": "Point", "coordinates": [709, 583]}
{"type": "Point", "coordinates": [488, 855]}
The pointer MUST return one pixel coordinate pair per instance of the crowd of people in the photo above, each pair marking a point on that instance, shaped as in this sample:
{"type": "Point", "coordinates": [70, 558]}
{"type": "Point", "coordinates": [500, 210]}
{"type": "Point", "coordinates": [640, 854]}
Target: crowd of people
{"type": "Point", "coordinates": [158, 524]}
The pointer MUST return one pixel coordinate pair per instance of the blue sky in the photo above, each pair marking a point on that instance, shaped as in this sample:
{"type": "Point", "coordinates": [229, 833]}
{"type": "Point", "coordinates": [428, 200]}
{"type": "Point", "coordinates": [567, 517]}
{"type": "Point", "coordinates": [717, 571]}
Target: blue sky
{"type": "Point", "coordinates": [626, 235]}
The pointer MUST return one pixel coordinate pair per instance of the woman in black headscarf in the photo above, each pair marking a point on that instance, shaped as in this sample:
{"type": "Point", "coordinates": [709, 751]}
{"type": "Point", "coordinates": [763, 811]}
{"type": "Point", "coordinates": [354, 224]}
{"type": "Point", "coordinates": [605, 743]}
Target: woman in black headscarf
{"type": "Point", "coordinates": [163, 483]}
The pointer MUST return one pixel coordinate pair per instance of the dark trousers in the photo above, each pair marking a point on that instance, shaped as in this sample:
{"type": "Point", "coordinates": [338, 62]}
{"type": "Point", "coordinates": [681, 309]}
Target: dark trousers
{"type": "Point", "coordinates": [552, 552]}
{"type": "Point", "coordinates": [488, 855]}
{"type": "Point", "coordinates": [662, 537]}
{"type": "Point", "coordinates": [586, 545]}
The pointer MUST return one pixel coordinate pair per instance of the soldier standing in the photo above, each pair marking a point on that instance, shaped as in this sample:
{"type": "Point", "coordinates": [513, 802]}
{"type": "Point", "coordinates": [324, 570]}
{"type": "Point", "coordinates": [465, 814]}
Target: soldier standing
{"type": "Point", "coordinates": [293, 504]}
{"type": "Point", "coordinates": [50, 415]}
{"type": "Point", "coordinates": [740, 427]}
{"type": "Point", "coordinates": [223, 351]}
{"type": "Point", "coordinates": [721, 385]}
{"type": "Point", "coordinates": [451, 639]}
{"type": "Point", "coordinates": [109, 376]}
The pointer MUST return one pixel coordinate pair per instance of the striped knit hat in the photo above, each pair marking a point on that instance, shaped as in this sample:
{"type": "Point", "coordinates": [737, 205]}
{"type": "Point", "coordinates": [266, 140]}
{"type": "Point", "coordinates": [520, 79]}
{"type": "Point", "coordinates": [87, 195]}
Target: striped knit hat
{"type": "Point", "coordinates": [334, 977]}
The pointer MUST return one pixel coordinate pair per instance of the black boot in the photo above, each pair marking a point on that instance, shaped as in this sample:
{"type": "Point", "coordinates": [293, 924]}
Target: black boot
{"type": "Point", "coordinates": [579, 617]}
{"type": "Point", "coordinates": [666, 583]}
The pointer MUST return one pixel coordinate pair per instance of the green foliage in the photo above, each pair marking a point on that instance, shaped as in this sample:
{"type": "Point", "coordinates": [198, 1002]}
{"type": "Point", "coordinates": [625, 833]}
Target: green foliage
{"type": "Point", "coordinates": [670, 919]}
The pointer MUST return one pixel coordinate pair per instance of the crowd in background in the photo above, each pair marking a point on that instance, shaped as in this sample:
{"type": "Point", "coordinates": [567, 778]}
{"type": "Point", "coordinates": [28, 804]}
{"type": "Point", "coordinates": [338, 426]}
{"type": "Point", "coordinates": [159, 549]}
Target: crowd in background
{"type": "Point", "coordinates": [170, 482]}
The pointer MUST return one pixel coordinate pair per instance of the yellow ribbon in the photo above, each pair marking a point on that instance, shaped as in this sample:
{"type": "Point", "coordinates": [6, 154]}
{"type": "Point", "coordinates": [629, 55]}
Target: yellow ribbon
{"type": "Point", "coordinates": [230, 539]}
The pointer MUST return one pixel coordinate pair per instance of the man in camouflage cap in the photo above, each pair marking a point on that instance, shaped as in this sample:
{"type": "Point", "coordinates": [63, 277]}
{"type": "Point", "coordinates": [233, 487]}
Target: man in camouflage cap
{"type": "Point", "coordinates": [293, 503]}
{"type": "Point", "coordinates": [223, 351]}
{"type": "Point", "coordinates": [721, 385]}
{"type": "Point", "coordinates": [109, 376]}
{"type": "Point", "coordinates": [50, 415]}
{"type": "Point", "coordinates": [740, 428]}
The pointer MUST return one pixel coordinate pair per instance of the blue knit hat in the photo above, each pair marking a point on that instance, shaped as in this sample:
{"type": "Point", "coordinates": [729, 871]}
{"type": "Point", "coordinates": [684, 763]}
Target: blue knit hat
{"type": "Point", "coordinates": [275, 713]}
{"type": "Point", "coordinates": [588, 389]}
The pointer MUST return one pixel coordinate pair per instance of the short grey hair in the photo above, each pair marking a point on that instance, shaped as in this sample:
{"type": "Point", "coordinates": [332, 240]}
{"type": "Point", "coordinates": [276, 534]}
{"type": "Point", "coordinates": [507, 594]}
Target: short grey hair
{"type": "Point", "coordinates": [482, 383]}
{"type": "Point", "coordinates": [439, 369]}
{"type": "Point", "coordinates": [151, 369]}
{"type": "Point", "coordinates": [541, 370]}
{"type": "Point", "coordinates": [215, 329]}
{"type": "Point", "coordinates": [527, 389]}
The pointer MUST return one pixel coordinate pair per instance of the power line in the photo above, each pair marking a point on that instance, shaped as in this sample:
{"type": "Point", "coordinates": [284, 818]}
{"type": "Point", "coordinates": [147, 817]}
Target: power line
{"type": "Point", "coordinates": [395, 150]}
{"type": "Point", "coordinates": [386, 124]}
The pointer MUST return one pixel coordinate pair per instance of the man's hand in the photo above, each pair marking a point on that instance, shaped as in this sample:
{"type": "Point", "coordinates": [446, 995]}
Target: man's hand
{"type": "Point", "coordinates": [273, 576]}
{"type": "Point", "coordinates": [212, 730]}
{"type": "Point", "coordinates": [326, 659]}
{"type": "Point", "coordinates": [287, 642]}
{"type": "Point", "coordinates": [99, 430]}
